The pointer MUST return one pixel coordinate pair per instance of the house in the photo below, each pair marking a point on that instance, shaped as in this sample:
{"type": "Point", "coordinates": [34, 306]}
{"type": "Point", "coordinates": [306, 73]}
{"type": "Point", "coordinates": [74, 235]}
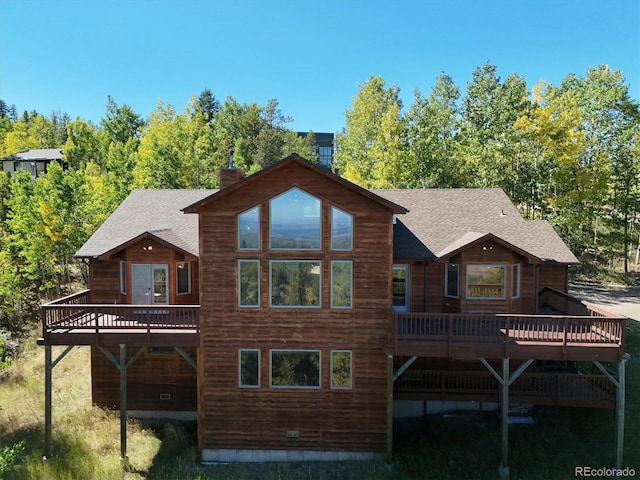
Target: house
{"type": "Point", "coordinates": [291, 311]}
{"type": "Point", "coordinates": [33, 161]}
{"type": "Point", "coordinates": [324, 145]}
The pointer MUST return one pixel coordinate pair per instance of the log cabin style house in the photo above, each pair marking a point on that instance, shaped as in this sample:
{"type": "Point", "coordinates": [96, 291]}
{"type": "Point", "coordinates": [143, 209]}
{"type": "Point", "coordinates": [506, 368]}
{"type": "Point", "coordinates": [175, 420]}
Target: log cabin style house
{"type": "Point", "coordinates": [293, 312]}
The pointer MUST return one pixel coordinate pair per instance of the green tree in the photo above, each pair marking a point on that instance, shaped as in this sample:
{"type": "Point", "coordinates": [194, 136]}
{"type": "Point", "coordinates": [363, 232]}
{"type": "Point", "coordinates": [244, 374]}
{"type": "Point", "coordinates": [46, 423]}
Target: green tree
{"type": "Point", "coordinates": [433, 125]}
{"type": "Point", "coordinates": [82, 145]}
{"type": "Point", "coordinates": [372, 150]}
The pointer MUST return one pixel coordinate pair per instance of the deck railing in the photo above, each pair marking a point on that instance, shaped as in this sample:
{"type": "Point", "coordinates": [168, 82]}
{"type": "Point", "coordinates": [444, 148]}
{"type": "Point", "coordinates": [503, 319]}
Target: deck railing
{"type": "Point", "coordinates": [558, 388]}
{"type": "Point", "coordinates": [75, 313]}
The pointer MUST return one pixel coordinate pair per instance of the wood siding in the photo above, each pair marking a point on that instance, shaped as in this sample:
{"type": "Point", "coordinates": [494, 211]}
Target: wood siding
{"type": "Point", "coordinates": [156, 382]}
{"type": "Point", "coordinates": [324, 419]}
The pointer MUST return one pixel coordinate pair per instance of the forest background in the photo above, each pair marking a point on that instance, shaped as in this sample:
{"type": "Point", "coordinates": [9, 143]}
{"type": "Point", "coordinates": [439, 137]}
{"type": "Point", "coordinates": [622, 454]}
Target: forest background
{"type": "Point", "coordinates": [567, 153]}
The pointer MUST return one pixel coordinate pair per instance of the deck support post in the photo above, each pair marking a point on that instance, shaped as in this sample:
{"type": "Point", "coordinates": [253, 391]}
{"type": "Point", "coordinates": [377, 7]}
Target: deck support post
{"type": "Point", "coordinates": [48, 367]}
{"type": "Point", "coordinates": [123, 404]}
{"type": "Point", "coordinates": [49, 363]}
{"type": "Point", "coordinates": [503, 470]}
{"type": "Point", "coordinates": [620, 406]}
{"type": "Point", "coordinates": [389, 459]}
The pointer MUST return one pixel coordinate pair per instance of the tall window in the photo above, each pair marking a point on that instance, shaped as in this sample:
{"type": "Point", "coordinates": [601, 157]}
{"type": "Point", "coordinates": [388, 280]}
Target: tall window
{"type": "Point", "coordinates": [295, 369]}
{"type": "Point", "coordinates": [123, 277]}
{"type": "Point", "coordinates": [341, 283]}
{"type": "Point", "coordinates": [486, 281]}
{"type": "Point", "coordinates": [295, 283]}
{"type": "Point", "coordinates": [400, 298]}
{"type": "Point", "coordinates": [451, 278]}
{"type": "Point", "coordinates": [295, 221]}
{"type": "Point", "coordinates": [249, 368]}
{"type": "Point", "coordinates": [249, 229]}
{"type": "Point", "coordinates": [341, 230]}
{"type": "Point", "coordinates": [249, 283]}
{"type": "Point", "coordinates": [515, 279]}
{"type": "Point", "coordinates": [341, 369]}
{"type": "Point", "coordinates": [184, 277]}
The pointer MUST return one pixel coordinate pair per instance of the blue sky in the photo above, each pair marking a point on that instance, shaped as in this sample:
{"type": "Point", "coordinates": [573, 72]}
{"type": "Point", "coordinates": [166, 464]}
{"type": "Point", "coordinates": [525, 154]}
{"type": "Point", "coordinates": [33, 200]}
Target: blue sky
{"type": "Point", "coordinates": [310, 56]}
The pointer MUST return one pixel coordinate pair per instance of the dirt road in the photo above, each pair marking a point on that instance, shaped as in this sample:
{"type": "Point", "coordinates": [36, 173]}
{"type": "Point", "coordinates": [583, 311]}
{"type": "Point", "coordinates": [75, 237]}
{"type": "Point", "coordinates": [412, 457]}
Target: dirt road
{"type": "Point", "coordinates": [619, 299]}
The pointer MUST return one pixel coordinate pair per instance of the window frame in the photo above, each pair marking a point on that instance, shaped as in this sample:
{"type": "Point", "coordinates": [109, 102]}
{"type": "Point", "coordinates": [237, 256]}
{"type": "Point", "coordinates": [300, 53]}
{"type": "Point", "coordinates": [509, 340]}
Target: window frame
{"type": "Point", "coordinates": [516, 280]}
{"type": "Point", "coordinates": [319, 290]}
{"type": "Point", "coordinates": [350, 305]}
{"type": "Point", "coordinates": [187, 265]}
{"type": "Point", "coordinates": [240, 352]}
{"type": "Point", "coordinates": [295, 387]}
{"type": "Point", "coordinates": [239, 292]}
{"type": "Point", "coordinates": [489, 265]}
{"type": "Point", "coordinates": [407, 268]}
{"type": "Point", "coordinates": [238, 229]}
{"type": "Point", "coordinates": [123, 277]}
{"type": "Point", "coordinates": [335, 209]}
{"type": "Point", "coordinates": [446, 280]}
{"type": "Point", "coordinates": [336, 387]}
{"type": "Point", "coordinates": [271, 217]}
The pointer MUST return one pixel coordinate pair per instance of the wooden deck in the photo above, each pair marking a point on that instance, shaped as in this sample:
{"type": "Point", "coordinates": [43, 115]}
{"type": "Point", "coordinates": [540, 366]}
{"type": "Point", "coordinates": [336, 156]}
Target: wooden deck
{"type": "Point", "coordinates": [72, 321]}
{"type": "Point", "coordinates": [586, 333]}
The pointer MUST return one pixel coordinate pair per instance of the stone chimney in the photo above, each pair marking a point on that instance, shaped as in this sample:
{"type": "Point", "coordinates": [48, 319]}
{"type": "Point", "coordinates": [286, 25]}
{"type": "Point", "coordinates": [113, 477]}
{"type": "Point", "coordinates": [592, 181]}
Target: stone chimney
{"type": "Point", "coordinates": [231, 174]}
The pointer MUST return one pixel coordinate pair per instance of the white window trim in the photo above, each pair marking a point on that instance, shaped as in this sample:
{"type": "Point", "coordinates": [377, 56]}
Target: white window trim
{"type": "Point", "coordinates": [516, 279]}
{"type": "Point", "coordinates": [295, 387]}
{"type": "Point", "coordinates": [188, 266]}
{"type": "Point", "coordinates": [350, 248]}
{"type": "Point", "coordinates": [504, 281]}
{"type": "Point", "coordinates": [343, 307]}
{"type": "Point", "coordinates": [446, 281]}
{"type": "Point", "coordinates": [238, 229]}
{"type": "Point", "coordinates": [271, 262]}
{"type": "Point", "coordinates": [240, 351]}
{"type": "Point", "coordinates": [350, 387]}
{"type": "Point", "coordinates": [247, 260]}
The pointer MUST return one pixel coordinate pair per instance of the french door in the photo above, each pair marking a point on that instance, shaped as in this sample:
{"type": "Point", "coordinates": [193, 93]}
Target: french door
{"type": "Point", "coordinates": [150, 284]}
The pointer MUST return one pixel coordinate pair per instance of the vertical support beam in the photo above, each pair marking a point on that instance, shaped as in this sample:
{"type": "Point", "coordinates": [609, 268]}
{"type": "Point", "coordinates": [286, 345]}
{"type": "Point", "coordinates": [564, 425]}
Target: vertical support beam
{"type": "Point", "coordinates": [389, 409]}
{"type": "Point", "coordinates": [48, 367]}
{"type": "Point", "coordinates": [504, 390]}
{"type": "Point", "coordinates": [123, 404]}
{"type": "Point", "coordinates": [620, 406]}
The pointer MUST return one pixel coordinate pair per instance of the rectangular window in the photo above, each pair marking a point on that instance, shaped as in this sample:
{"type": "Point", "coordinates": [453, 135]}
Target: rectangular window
{"type": "Point", "coordinates": [486, 281]}
{"type": "Point", "coordinates": [451, 279]}
{"type": "Point", "coordinates": [341, 230]}
{"type": "Point", "coordinates": [123, 277]}
{"type": "Point", "coordinates": [295, 369]}
{"type": "Point", "coordinates": [248, 368]}
{"type": "Point", "coordinates": [295, 283]}
{"type": "Point", "coordinates": [341, 283]}
{"type": "Point", "coordinates": [400, 299]}
{"type": "Point", "coordinates": [341, 369]}
{"type": "Point", "coordinates": [249, 283]}
{"type": "Point", "coordinates": [515, 285]}
{"type": "Point", "coordinates": [249, 229]}
{"type": "Point", "coordinates": [184, 277]}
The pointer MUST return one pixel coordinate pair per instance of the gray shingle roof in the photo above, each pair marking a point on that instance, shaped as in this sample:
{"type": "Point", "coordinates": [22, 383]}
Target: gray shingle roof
{"type": "Point", "coordinates": [439, 221]}
{"type": "Point", "coordinates": [37, 154]}
{"type": "Point", "coordinates": [154, 211]}
{"type": "Point", "coordinates": [442, 220]}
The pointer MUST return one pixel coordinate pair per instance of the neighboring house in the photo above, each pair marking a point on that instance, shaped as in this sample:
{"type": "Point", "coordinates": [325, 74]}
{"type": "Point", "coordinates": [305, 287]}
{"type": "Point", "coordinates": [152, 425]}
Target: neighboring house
{"type": "Point", "coordinates": [287, 311]}
{"type": "Point", "coordinates": [33, 161]}
{"type": "Point", "coordinates": [324, 147]}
